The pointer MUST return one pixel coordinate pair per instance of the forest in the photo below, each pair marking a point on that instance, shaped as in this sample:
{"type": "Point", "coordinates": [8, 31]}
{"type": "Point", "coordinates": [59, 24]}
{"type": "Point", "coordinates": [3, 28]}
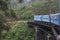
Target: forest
{"type": "Point", "coordinates": [15, 15]}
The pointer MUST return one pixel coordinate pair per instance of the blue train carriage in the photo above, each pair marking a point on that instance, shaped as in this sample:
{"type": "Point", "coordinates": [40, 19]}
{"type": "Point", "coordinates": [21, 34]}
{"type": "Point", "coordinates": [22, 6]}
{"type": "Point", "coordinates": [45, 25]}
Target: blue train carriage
{"type": "Point", "coordinates": [53, 18]}
{"type": "Point", "coordinates": [38, 18]}
{"type": "Point", "coordinates": [41, 19]}
{"type": "Point", "coordinates": [45, 18]}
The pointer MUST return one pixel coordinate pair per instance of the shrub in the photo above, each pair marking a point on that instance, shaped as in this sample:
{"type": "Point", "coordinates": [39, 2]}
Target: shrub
{"type": "Point", "coordinates": [19, 32]}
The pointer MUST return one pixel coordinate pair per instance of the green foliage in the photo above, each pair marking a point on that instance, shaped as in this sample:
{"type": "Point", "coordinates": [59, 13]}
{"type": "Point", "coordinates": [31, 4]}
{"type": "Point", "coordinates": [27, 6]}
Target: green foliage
{"type": "Point", "coordinates": [25, 13]}
{"type": "Point", "coordinates": [2, 20]}
{"type": "Point", "coordinates": [19, 32]}
{"type": "Point", "coordinates": [3, 8]}
{"type": "Point", "coordinates": [10, 13]}
{"type": "Point", "coordinates": [44, 8]}
{"type": "Point", "coordinates": [20, 1]}
{"type": "Point", "coordinates": [3, 5]}
{"type": "Point", "coordinates": [2, 25]}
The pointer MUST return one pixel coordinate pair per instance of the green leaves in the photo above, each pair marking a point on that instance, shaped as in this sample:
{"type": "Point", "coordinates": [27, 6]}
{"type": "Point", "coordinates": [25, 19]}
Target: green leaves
{"type": "Point", "coordinates": [20, 1]}
{"type": "Point", "coordinates": [25, 13]}
{"type": "Point", "coordinates": [3, 5]}
{"type": "Point", "coordinates": [20, 32]}
{"type": "Point", "coordinates": [45, 7]}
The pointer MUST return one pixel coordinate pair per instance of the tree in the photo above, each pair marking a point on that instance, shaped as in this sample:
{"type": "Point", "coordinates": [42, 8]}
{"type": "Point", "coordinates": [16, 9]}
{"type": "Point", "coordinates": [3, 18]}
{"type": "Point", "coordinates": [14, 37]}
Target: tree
{"type": "Point", "coordinates": [3, 5]}
{"type": "Point", "coordinates": [2, 25]}
{"type": "Point", "coordinates": [3, 8]}
{"type": "Point", "coordinates": [10, 14]}
{"type": "Point", "coordinates": [20, 1]}
{"type": "Point", "coordinates": [25, 13]}
{"type": "Point", "coordinates": [44, 8]}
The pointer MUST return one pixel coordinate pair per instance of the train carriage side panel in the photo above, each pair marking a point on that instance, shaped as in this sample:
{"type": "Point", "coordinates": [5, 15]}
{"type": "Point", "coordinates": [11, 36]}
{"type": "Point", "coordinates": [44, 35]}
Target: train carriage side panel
{"type": "Point", "coordinates": [38, 18]}
{"type": "Point", "coordinates": [55, 18]}
{"type": "Point", "coordinates": [45, 18]}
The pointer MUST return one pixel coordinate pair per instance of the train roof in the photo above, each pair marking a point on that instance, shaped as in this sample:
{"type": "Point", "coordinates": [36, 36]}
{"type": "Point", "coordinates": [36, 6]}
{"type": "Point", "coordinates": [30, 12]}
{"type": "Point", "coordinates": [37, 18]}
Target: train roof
{"type": "Point", "coordinates": [49, 14]}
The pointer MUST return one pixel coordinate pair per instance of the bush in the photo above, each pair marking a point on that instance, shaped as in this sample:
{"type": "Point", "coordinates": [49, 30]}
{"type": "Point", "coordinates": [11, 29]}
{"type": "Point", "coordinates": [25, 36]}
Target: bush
{"type": "Point", "coordinates": [25, 13]}
{"type": "Point", "coordinates": [19, 32]}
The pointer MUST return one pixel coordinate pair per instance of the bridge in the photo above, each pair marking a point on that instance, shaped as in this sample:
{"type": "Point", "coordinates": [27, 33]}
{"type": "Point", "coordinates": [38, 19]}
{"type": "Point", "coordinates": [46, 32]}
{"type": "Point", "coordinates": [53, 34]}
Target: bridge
{"type": "Point", "coordinates": [45, 31]}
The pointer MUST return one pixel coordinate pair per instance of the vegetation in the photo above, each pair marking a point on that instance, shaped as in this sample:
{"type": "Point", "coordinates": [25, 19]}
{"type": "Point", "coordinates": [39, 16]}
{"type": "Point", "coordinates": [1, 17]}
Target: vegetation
{"type": "Point", "coordinates": [3, 7]}
{"type": "Point", "coordinates": [19, 32]}
{"type": "Point", "coordinates": [45, 7]}
{"type": "Point", "coordinates": [20, 1]}
{"type": "Point", "coordinates": [25, 13]}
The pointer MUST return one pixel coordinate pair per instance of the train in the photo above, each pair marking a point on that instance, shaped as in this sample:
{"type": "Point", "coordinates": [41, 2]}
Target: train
{"type": "Point", "coordinates": [51, 18]}
{"type": "Point", "coordinates": [46, 24]}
